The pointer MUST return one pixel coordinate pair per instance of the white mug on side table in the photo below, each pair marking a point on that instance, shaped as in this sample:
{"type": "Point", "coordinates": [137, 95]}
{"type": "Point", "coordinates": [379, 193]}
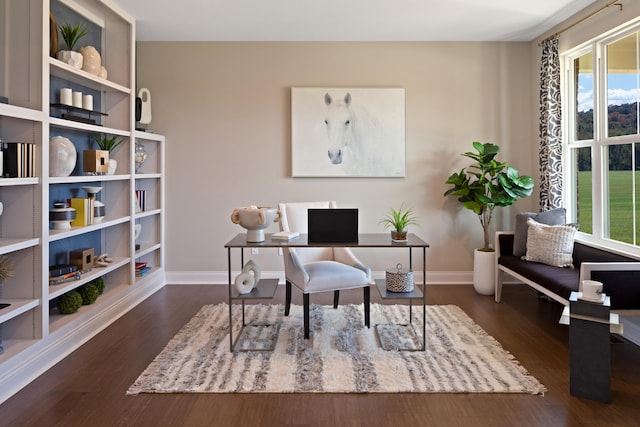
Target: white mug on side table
{"type": "Point", "coordinates": [591, 290]}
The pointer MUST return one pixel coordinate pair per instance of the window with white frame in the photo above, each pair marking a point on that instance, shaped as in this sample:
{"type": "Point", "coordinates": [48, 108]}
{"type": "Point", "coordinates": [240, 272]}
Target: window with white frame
{"type": "Point", "coordinates": [602, 142]}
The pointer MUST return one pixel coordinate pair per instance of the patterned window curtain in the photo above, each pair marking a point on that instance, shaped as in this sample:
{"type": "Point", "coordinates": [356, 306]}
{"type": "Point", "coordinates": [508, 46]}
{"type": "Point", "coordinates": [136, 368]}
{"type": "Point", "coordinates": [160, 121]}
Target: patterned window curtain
{"type": "Point", "coordinates": [550, 128]}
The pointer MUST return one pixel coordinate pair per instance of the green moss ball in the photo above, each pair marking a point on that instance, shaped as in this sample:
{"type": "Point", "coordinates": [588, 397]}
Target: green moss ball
{"type": "Point", "coordinates": [98, 283]}
{"type": "Point", "coordinates": [89, 293]}
{"type": "Point", "coordinates": [69, 303]}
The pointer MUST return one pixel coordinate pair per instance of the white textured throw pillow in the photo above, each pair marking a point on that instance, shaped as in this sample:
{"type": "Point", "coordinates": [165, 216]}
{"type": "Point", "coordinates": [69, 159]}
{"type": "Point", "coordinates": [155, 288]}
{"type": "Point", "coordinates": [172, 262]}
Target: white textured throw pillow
{"type": "Point", "coordinates": [550, 244]}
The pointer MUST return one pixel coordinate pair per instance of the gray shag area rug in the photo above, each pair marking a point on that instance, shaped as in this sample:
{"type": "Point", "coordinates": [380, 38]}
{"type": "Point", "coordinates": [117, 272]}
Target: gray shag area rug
{"type": "Point", "coordinates": [341, 356]}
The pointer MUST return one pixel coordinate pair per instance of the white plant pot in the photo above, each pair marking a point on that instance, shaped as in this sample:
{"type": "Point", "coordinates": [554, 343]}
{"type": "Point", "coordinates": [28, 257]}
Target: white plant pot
{"type": "Point", "coordinates": [484, 272]}
{"type": "Point", "coordinates": [113, 164]}
{"type": "Point", "coordinates": [71, 57]}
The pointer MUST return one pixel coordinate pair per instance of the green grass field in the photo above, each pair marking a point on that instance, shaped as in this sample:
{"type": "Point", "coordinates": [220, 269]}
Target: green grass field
{"type": "Point", "coordinates": [620, 204]}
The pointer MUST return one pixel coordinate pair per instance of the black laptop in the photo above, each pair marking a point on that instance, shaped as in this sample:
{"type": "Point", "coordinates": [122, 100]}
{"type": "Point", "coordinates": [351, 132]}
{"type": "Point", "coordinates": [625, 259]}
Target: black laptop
{"type": "Point", "coordinates": [333, 225]}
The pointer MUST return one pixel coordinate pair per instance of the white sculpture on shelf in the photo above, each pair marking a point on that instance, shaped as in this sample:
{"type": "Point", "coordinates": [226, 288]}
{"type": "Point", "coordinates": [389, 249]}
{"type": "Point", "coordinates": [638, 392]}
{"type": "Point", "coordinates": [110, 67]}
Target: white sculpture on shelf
{"type": "Point", "coordinates": [98, 206]}
{"type": "Point", "coordinates": [248, 277]}
{"type": "Point", "coordinates": [91, 60]}
{"type": "Point", "coordinates": [255, 219]}
{"type": "Point", "coordinates": [144, 97]}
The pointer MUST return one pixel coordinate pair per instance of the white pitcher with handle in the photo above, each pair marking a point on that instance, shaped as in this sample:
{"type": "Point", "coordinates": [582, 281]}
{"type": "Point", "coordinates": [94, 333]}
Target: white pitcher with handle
{"type": "Point", "coordinates": [145, 106]}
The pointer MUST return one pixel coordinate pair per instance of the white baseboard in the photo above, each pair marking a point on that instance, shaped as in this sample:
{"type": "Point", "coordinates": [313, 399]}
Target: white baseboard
{"type": "Point", "coordinates": [222, 277]}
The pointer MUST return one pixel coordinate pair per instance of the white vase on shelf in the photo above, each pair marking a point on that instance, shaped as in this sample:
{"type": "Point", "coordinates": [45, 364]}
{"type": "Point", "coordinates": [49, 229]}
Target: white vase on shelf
{"type": "Point", "coordinates": [113, 164]}
{"type": "Point", "coordinates": [71, 57]}
{"type": "Point", "coordinates": [140, 156]}
{"type": "Point", "coordinates": [61, 216]}
{"type": "Point", "coordinates": [98, 206]}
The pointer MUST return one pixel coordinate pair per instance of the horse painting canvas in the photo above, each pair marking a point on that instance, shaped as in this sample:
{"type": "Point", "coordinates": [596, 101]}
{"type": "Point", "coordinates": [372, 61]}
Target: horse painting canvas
{"type": "Point", "coordinates": [348, 132]}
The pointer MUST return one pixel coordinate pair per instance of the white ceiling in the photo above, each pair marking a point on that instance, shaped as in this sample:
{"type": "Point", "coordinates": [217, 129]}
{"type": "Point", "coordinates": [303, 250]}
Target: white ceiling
{"type": "Point", "coordinates": [347, 20]}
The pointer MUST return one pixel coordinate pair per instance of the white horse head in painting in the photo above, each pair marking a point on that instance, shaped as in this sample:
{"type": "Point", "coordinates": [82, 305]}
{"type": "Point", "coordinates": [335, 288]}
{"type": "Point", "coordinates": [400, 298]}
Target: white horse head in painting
{"type": "Point", "coordinates": [339, 122]}
{"type": "Point", "coordinates": [354, 138]}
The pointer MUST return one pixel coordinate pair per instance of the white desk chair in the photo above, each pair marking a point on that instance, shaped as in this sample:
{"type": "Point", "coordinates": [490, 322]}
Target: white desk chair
{"type": "Point", "coordinates": [315, 269]}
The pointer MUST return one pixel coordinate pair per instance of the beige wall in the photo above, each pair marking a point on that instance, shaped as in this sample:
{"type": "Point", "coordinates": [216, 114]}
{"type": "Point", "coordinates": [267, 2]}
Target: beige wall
{"type": "Point", "coordinates": [225, 110]}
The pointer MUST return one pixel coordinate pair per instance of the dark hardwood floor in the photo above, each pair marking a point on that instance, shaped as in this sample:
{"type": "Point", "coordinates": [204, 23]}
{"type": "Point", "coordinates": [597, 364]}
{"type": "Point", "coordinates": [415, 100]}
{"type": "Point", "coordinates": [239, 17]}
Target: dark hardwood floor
{"type": "Point", "coordinates": [88, 387]}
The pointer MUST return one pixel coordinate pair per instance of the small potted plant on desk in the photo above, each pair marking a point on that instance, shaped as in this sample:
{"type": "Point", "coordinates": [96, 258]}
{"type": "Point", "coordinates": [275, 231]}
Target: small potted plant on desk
{"type": "Point", "coordinates": [399, 220]}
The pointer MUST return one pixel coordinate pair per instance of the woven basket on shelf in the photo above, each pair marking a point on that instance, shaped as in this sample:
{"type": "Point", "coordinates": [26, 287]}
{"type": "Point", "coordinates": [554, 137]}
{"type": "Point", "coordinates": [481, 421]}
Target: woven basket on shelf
{"type": "Point", "coordinates": [399, 279]}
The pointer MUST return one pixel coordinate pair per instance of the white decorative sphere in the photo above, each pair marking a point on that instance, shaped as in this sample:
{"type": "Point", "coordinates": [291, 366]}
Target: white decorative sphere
{"type": "Point", "coordinates": [62, 156]}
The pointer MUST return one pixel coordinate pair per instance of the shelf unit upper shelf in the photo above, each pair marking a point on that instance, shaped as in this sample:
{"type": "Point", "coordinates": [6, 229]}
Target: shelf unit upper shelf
{"type": "Point", "coordinates": [76, 231]}
{"type": "Point", "coordinates": [16, 307]}
{"type": "Point", "coordinates": [12, 182]}
{"type": "Point", "coordinates": [12, 245]}
{"type": "Point", "coordinates": [70, 124]}
{"type": "Point", "coordinates": [59, 289]}
{"type": "Point", "coordinates": [73, 75]}
{"type": "Point", "coordinates": [17, 112]}
{"type": "Point", "coordinates": [87, 178]}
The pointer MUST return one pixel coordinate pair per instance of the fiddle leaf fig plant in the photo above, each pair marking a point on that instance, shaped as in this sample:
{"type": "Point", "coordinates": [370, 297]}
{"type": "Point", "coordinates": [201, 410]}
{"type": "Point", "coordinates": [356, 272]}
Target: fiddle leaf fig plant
{"type": "Point", "coordinates": [487, 184]}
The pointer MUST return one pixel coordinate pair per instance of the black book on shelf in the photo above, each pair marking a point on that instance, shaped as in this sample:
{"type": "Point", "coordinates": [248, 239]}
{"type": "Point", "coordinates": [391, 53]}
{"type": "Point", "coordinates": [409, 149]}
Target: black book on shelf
{"type": "Point", "coordinates": [61, 269]}
{"type": "Point", "coordinates": [11, 160]}
{"type": "Point", "coordinates": [18, 159]}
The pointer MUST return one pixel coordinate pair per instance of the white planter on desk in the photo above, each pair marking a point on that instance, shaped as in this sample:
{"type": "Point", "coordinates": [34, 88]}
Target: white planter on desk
{"type": "Point", "coordinates": [484, 271]}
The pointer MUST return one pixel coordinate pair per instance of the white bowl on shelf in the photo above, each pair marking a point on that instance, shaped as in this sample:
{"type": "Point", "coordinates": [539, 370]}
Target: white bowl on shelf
{"type": "Point", "coordinates": [92, 190]}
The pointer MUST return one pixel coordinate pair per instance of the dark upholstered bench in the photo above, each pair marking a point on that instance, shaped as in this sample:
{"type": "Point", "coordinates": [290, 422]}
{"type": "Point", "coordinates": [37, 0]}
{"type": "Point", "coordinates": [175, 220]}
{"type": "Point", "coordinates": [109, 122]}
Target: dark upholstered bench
{"type": "Point", "coordinates": [619, 274]}
{"type": "Point", "coordinates": [556, 282]}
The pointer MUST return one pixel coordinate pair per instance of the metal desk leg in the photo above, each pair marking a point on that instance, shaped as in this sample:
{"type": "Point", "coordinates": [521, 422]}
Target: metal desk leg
{"type": "Point", "coordinates": [424, 299]}
{"type": "Point", "coordinates": [230, 311]}
{"type": "Point", "coordinates": [410, 301]}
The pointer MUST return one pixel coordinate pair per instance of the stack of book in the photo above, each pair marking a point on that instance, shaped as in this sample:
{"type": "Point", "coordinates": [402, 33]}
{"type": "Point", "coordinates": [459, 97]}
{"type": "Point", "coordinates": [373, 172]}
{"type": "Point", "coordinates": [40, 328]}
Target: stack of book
{"type": "Point", "coordinates": [63, 273]}
{"type": "Point", "coordinates": [141, 199]}
{"type": "Point", "coordinates": [142, 268]}
{"type": "Point", "coordinates": [85, 211]}
{"type": "Point", "coordinates": [17, 159]}
{"type": "Point", "coordinates": [285, 235]}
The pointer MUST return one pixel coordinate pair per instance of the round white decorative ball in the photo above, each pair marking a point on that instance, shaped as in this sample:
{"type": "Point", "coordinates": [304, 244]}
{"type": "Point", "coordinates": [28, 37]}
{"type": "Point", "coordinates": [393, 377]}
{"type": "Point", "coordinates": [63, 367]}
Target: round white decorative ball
{"type": "Point", "coordinates": [62, 156]}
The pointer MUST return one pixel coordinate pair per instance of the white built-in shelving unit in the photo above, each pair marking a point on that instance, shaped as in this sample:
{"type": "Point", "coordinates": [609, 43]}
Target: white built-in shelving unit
{"type": "Point", "coordinates": [33, 335]}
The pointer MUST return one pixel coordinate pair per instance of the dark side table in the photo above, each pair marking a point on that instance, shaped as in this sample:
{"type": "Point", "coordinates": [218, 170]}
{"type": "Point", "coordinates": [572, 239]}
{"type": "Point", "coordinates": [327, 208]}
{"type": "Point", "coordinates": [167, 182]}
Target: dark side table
{"type": "Point", "coordinates": [590, 326]}
{"type": "Point", "coordinates": [410, 296]}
